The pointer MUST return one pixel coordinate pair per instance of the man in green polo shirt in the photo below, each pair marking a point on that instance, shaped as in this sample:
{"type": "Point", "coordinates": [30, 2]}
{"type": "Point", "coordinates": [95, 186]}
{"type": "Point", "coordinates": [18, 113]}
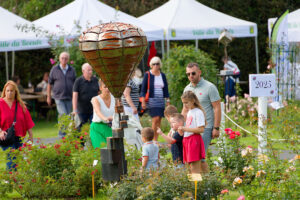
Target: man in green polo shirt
{"type": "Point", "coordinates": [209, 98]}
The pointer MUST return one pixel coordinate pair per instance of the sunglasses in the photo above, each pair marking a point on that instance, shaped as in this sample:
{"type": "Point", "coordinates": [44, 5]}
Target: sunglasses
{"type": "Point", "coordinates": [156, 64]}
{"type": "Point", "coordinates": [192, 73]}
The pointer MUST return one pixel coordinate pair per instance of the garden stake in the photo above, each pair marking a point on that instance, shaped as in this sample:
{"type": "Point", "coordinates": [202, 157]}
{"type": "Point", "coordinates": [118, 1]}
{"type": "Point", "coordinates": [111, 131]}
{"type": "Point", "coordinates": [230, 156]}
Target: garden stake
{"type": "Point", "coordinates": [195, 177]}
{"type": "Point", "coordinates": [93, 186]}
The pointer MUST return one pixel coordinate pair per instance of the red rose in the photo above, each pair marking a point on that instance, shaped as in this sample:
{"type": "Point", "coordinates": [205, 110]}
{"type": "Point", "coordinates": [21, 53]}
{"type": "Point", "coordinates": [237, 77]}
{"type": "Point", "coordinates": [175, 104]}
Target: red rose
{"type": "Point", "coordinates": [237, 133]}
{"type": "Point", "coordinates": [232, 136]}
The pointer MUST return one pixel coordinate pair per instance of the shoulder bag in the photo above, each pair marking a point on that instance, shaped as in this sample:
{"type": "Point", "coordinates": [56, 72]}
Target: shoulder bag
{"type": "Point", "coordinates": [10, 137]}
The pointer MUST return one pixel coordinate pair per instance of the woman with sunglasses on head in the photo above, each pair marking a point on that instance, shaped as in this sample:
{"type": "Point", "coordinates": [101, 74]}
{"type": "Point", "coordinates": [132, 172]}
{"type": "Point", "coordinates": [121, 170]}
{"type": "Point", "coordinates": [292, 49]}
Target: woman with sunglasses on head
{"type": "Point", "coordinates": [158, 93]}
{"type": "Point", "coordinates": [10, 101]}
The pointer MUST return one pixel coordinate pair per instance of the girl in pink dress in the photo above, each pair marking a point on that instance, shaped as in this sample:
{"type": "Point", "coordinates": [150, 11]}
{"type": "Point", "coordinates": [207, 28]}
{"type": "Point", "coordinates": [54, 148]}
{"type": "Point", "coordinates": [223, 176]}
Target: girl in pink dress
{"type": "Point", "coordinates": [193, 146]}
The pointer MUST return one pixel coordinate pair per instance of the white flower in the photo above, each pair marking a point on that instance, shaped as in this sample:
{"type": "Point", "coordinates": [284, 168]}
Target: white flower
{"type": "Point", "coordinates": [263, 158]}
{"type": "Point", "coordinates": [249, 149]}
{"type": "Point", "coordinates": [220, 160]}
{"type": "Point", "coordinates": [244, 152]}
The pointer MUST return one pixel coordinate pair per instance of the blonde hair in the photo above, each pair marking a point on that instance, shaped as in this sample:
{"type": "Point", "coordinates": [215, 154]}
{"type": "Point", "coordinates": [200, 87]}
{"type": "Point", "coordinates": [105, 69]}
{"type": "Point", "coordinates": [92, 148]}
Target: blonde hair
{"type": "Point", "coordinates": [17, 93]}
{"type": "Point", "coordinates": [155, 59]}
{"type": "Point", "coordinates": [170, 110]}
{"type": "Point", "coordinates": [190, 96]}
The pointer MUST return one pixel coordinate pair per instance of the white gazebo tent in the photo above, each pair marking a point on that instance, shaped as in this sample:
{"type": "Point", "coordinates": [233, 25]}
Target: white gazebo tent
{"type": "Point", "coordinates": [12, 39]}
{"type": "Point", "coordinates": [191, 20]}
{"type": "Point", "coordinates": [88, 13]}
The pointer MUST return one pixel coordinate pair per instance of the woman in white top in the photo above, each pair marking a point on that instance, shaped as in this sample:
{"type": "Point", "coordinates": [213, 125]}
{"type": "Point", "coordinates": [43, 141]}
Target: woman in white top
{"type": "Point", "coordinates": [103, 110]}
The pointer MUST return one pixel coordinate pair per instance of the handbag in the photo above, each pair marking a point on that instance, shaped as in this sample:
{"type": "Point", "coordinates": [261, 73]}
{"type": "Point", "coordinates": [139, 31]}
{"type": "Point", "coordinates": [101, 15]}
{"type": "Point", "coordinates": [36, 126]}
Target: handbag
{"type": "Point", "coordinates": [148, 88]}
{"type": "Point", "coordinates": [141, 111]}
{"type": "Point", "coordinates": [10, 137]}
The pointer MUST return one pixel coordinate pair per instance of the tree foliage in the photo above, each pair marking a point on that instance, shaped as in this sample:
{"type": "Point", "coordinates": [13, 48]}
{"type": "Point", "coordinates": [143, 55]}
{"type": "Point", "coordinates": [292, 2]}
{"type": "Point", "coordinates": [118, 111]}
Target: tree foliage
{"type": "Point", "coordinates": [242, 50]}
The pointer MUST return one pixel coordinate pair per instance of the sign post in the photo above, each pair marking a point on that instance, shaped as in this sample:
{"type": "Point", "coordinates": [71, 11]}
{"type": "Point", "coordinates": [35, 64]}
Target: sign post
{"type": "Point", "coordinates": [262, 86]}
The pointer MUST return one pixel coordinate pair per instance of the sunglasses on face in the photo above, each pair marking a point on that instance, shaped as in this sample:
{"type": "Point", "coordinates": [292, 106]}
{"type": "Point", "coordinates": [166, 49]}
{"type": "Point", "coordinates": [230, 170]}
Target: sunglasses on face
{"type": "Point", "coordinates": [192, 73]}
{"type": "Point", "coordinates": [156, 64]}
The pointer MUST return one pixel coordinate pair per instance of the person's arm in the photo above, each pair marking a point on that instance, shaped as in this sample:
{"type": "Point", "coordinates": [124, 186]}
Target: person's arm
{"type": "Point", "coordinates": [30, 135]}
{"type": "Point", "coordinates": [2, 134]}
{"type": "Point", "coordinates": [217, 116]}
{"type": "Point", "coordinates": [97, 107]}
{"type": "Point", "coordinates": [145, 161]}
{"type": "Point", "coordinates": [196, 130]}
{"type": "Point", "coordinates": [74, 102]}
{"type": "Point", "coordinates": [127, 96]}
{"type": "Point", "coordinates": [49, 94]}
{"type": "Point", "coordinates": [168, 139]}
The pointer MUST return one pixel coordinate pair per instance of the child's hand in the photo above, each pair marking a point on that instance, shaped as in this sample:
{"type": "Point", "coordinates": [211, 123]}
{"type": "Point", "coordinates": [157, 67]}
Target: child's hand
{"type": "Point", "coordinates": [181, 130]}
{"type": "Point", "coordinates": [159, 131]}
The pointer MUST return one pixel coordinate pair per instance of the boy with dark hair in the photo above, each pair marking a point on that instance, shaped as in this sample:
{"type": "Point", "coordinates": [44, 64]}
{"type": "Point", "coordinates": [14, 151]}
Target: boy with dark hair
{"type": "Point", "coordinates": [150, 151]}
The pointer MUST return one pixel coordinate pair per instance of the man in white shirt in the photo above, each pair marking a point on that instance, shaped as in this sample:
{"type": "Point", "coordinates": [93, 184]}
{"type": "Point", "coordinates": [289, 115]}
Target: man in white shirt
{"type": "Point", "coordinates": [230, 81]}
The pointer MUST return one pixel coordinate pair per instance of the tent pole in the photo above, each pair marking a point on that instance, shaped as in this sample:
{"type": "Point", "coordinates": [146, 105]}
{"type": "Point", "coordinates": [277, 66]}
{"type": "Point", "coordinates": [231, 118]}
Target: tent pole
{"type": "Point", "coordinates": [13, 64]}
{"type": "Point", "coordinates": [168, 47]}
{"type": "Point", "coordinates": [196, 44]}
{"type": "Point", "coordinates": [162, 49]}
{"type": "Point", "coordinates": [256, 54]}
{"type": "Point", "coordinates": [6, 65]}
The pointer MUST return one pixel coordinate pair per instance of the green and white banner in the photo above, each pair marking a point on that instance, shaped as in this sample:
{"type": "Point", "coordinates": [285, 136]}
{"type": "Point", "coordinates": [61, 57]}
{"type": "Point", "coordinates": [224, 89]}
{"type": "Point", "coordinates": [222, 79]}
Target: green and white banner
{"type": "Point", "coordinates": [23, 44]}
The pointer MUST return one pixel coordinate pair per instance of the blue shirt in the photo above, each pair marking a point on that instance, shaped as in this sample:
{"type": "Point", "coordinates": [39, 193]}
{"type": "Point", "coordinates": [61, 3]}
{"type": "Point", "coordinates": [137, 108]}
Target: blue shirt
{"type": "Point", "coordinates": [151, 151]}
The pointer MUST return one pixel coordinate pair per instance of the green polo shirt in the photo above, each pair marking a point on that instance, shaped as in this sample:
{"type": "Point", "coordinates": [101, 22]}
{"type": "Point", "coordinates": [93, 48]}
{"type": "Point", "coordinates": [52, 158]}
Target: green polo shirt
{"type": "Point", "coordinates": [206, 92]}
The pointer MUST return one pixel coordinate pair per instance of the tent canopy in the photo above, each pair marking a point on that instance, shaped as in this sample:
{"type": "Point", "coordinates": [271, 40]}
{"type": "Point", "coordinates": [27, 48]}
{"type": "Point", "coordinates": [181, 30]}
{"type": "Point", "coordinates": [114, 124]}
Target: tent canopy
{"type": "Point", "coordinates": [293, 26]}
{"type": "Point", "coordinates": [88, 13]}
{"type": "Point", "coordinates": [190, 20]}
{"type": "Point", "coordinates": [12, 39]}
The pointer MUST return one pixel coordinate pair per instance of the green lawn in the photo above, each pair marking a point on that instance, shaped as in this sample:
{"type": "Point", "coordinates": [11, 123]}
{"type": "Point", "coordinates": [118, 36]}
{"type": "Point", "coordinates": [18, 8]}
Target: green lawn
{"type": "Point", "coordinates": [45, 129]}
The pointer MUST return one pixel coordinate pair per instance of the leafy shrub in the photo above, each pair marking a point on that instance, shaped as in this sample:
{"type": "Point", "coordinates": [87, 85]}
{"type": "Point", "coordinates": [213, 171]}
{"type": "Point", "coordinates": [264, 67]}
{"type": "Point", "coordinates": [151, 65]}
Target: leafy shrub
{"type": "Point", "coordinates": [175, 64]}
{"type": "Point", "coordinates": [168, 183]}
{"type": "Point", "coordinates": [59, 170]}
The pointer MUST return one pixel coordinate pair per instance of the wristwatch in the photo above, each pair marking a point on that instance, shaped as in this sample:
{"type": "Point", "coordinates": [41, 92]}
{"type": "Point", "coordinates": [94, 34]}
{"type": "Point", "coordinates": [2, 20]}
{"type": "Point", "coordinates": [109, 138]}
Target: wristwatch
{"type": "Point", "coordinates": [217, 128]}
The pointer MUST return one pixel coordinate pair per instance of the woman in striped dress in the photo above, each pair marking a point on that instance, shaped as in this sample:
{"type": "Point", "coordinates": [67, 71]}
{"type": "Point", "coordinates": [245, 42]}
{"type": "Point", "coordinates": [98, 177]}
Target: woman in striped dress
{"type": "Point", "coordinates": [158, 94]}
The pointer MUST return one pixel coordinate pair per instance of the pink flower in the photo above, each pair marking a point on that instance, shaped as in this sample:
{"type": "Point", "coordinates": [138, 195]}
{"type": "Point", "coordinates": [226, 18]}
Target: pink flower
{"type": "Point", "coordinates": [232, 136]}
{"type": "Point", "coordinates": [246, 95]}
{"type": "Point", "coordinates": [228, 130]}
{"type": "Point", "coordinates": [242, 197]}
{"type": "Point", "coordinates": [237, 133]}
{"type": "Point", "coordinates": [57, 26]}
{"type": "Point", "coordinates": [224, 191]}
{"type": "Point", "coordinates": [72, 62]}
{"type": "Point", "coordinates": [52, 61]}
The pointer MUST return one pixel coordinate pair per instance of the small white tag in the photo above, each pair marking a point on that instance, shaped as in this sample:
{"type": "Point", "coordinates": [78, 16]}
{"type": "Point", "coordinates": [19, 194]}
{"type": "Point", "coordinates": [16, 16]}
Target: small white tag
{"type": "Point", "coordinates": [95, 163]}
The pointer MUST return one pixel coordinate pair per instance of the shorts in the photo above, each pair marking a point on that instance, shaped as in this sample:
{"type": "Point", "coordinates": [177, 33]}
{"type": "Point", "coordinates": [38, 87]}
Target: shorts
{"type": "Point", "coordinates": [193, 148]}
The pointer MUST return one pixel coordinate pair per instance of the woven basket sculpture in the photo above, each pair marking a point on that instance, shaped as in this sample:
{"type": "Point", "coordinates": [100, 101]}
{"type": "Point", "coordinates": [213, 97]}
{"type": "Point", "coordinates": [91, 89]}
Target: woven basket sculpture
{"type": "Point", "coordinates": [113, 50]}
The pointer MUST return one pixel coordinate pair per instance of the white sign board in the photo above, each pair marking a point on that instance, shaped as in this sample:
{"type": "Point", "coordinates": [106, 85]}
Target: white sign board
{"type": "Point", "coordinates": [262, 85]}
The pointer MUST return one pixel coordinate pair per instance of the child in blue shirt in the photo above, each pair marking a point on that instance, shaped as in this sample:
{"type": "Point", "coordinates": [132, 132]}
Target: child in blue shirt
{"type": "Point", "coordinates": [150, 151]}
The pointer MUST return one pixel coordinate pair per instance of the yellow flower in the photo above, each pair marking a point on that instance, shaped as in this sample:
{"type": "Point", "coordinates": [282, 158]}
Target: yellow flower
{"type": "Point", "coordinates": [237, 181]}
{"type": "Point", "coordinates": [259, 173]}
{"type": "Point", "coordinates": [263, 158]}
{"type": "Point", "coordinates": [297, 157]}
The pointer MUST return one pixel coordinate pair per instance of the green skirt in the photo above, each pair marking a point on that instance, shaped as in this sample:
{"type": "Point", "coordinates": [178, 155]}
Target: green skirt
{"type": "Point", "coordinates": [99, 131]}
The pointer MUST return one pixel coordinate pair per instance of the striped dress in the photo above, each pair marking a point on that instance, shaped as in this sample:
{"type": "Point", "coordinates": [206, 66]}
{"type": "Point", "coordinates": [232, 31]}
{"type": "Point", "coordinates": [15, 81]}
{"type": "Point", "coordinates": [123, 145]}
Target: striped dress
{"type": "Point", "coordinates": [158, 100]}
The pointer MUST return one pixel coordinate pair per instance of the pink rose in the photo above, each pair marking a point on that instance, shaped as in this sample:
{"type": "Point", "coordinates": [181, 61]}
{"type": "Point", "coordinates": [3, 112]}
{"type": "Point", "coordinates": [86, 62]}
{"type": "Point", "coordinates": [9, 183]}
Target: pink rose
{"type": "Point", "coordinates": [246, 95]}
{"type": "Point", "coordinates": [232, 136]}
{"type": "Point", "coordinates": [52, 61]}
{"type": "Point", "coordinates": [224, 191]}
{"type": "Point", "coordinates": [72, 62]}
{"type": "Point", "coordinates": [242, 197]}
{"type": "Point", "coordinates": [237, 133]}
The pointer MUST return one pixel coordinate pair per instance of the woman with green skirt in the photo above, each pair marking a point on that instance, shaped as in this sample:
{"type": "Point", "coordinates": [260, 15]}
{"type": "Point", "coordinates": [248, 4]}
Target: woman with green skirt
{"type": "Point", "coordinates": [103, 110]}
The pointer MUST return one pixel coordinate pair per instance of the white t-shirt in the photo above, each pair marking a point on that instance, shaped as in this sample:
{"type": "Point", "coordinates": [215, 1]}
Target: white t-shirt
{"type": "Point", "coordinates": [107, 112]}
{"type": "Point", "coordinates": [195, 118]}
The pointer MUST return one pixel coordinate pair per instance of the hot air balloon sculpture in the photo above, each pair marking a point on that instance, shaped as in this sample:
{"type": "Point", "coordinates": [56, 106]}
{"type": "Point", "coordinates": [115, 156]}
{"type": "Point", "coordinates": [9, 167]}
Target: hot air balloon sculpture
{"type": "Point", "coordinates": [114, 50]}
